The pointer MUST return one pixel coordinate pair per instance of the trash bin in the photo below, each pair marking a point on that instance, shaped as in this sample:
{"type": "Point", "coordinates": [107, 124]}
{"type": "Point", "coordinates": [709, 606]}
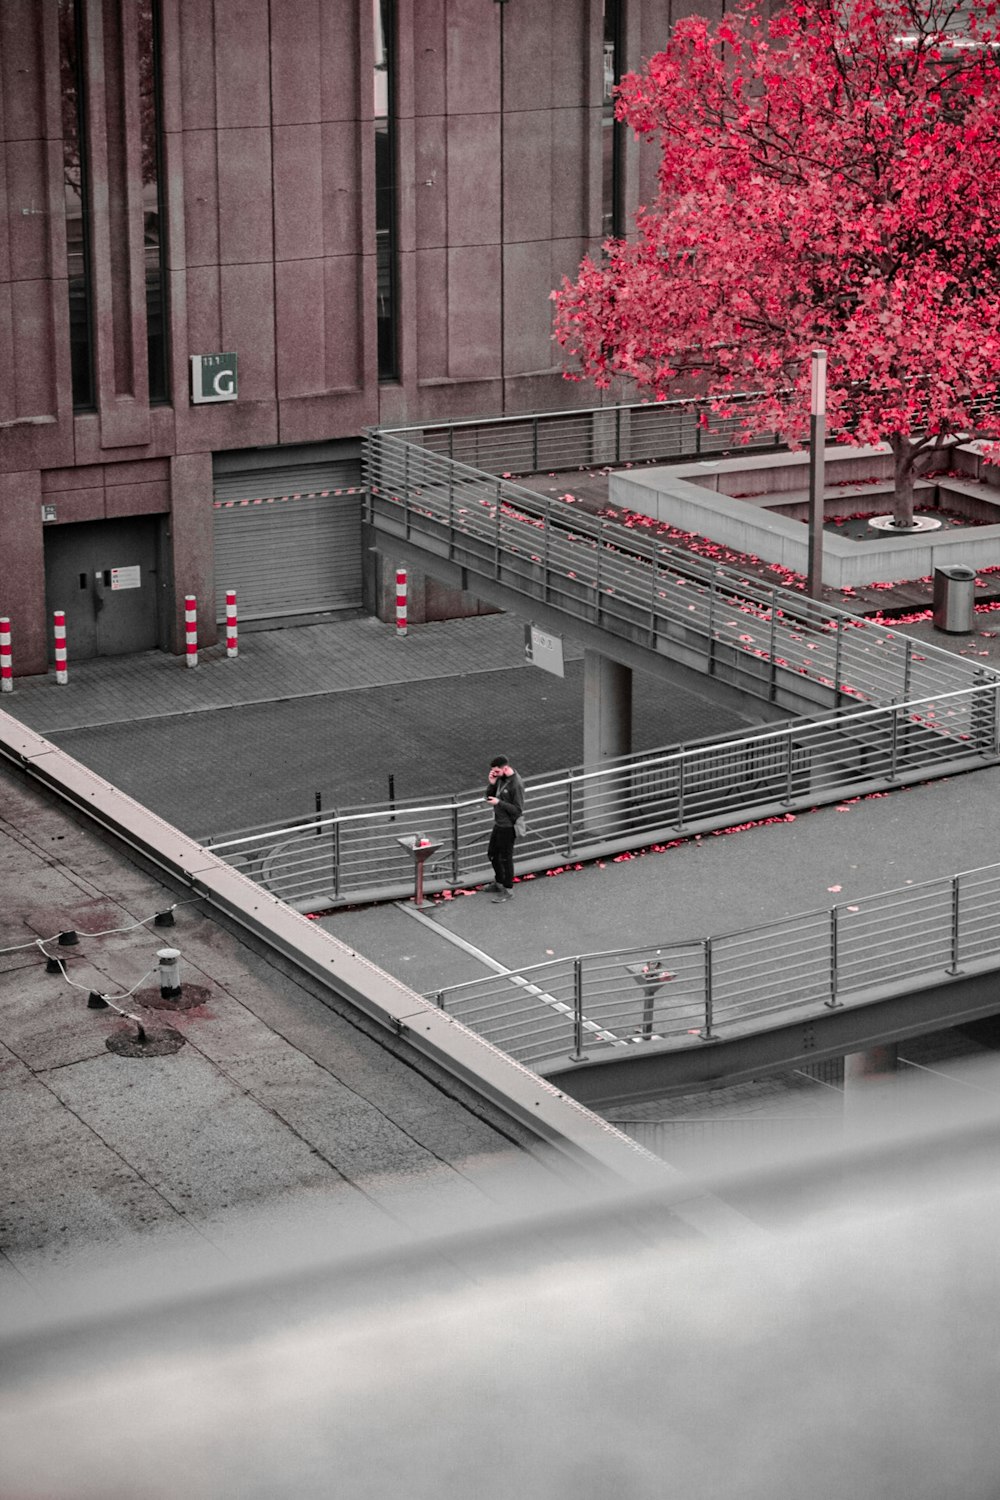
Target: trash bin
{"type": "Point", "coordinates": [954, 597]}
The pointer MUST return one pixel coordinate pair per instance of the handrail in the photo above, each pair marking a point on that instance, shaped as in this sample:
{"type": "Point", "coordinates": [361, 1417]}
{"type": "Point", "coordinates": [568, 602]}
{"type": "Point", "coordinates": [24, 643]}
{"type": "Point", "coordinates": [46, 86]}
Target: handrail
{"type": "Point", "coordinates": [694, 992]}
{"type": "Point", "coordinates": [881, 712]}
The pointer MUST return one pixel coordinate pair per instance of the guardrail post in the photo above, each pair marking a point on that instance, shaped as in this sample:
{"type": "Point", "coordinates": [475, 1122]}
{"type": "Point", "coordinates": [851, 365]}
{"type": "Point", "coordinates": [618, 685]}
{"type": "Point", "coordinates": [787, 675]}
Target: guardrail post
{"type": "Point", "coordinates": [454, 841]}
{"type": "Point", "coordinates": [772, 649]}
{"type": "Point", "coordinates": [439, 999]}
{"type": "Point", "coordinates": [578, 1054]}
{"type": "Point", "coordinates": [570, 814]}
{"type": "Point", "coordinates": [955, 912]}
{"type": "Point", "coordinates": [837, 663]}
{"type": "Point", "coordinates": [682, 762]}
{"type": "Point", "coordinates": [833, 1003]}
{"type": "Point", "coordinates": [713, 590]}
{"type": "Point", "coordinates": [893, 743]}
{"type": "Point", "coordinates": [496, 542]}
{"type": "Point", "coordinates": [534, 444]}
{"type": "Point", "coordinates": [335, 849]}
{"type": "Point", "coordinates": [907, 669]}
{"type": "Point", "coordinates": [789, 765]}
{"type": "Point", "coordinates": [707, 1034]}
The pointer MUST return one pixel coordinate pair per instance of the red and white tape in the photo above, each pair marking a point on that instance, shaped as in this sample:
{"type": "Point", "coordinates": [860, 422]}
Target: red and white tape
{"type": "Point", "coordinates": [6, 662]}
{"type": "Point", "coordinates": [400, 601]}
{"type": "Point", "coordinates": [59, 618]}
{"type": "Point", "coordinates": [190, 630]}
{"type": "Point", "coordinates": [232, 632]}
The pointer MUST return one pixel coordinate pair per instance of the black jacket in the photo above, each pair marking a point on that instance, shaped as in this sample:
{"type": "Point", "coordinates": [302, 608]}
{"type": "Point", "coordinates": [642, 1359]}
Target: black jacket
{"type": "Point", "coordinates": [509, 792]}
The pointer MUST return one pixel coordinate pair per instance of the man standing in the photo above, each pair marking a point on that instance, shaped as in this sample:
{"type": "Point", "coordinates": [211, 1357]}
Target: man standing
{"type": "Point", "coordinates": [506, 794]}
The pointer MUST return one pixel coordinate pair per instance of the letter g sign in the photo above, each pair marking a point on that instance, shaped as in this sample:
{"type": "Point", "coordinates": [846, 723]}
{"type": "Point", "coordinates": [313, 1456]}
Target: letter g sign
{"type": "Point", "coordinates": [213, 378]}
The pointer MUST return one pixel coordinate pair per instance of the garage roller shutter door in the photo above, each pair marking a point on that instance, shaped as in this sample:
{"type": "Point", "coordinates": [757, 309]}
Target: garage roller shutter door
{"type": "Point", "coordinates": [288, 543]}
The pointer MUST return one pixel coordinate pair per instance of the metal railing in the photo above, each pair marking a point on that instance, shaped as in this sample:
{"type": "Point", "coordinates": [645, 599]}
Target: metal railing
{"type": "Point", "coordinates": [357, 855]}
{"type": "Point", "coordinates": [768, 640]}
{"type": "Point", "coordinates": [591, 437]}
{"type": "Point", "coordinates": [883, 709]}
{"type": "Point", "coordinates": [685, 993]}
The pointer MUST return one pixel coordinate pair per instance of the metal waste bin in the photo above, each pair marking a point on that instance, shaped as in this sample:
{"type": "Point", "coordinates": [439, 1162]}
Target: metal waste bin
{"type": "Point", "coordinates": [954, 597]}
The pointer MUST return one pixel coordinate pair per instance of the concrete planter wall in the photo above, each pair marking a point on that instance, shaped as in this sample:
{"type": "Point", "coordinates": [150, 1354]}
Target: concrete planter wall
{"type": "Point", "coordinates": [759, 505]}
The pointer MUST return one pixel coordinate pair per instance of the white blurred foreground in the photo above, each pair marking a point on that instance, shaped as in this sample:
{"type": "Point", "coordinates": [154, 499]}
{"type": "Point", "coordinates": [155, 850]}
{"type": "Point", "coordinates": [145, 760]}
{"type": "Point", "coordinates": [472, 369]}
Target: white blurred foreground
{"type": "Point", "coordinates": [841, 1341]}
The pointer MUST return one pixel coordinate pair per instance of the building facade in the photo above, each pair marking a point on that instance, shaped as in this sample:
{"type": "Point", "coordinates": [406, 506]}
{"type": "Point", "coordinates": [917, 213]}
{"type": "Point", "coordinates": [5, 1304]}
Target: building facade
{"type": "Point", "coordinates": [237, 232]}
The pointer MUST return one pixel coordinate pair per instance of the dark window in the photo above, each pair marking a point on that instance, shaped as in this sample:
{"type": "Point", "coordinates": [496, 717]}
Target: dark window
{"type": "Point", "coordinates": [611, 214]}
{"type": "Point", "coordinates": [75, 200]}
{"type": "Point", "coordinates": [385, 192]}
{"type": "Point", "coordinates": [150, 116]}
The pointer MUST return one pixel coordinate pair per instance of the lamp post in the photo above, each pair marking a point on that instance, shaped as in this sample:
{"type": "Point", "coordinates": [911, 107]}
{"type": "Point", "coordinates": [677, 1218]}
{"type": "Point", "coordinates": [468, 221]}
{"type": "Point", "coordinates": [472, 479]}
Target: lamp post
{"type": "Point", "coordinates": [817, 445]}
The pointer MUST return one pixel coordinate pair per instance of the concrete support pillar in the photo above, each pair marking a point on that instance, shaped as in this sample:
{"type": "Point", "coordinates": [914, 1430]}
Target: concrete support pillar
{"type": "Point", "coordinates": [607, 734]}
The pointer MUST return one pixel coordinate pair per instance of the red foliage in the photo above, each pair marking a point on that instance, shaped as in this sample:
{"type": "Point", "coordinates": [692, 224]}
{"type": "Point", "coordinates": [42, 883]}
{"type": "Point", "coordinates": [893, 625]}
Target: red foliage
{"type": "Point", "coordinates": [829, 178]}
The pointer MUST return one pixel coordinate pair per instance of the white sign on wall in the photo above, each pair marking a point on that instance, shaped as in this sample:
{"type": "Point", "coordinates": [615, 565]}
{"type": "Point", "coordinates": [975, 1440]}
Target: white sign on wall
{"type": "Point", "coordinates": [543, 650]}
{"type": "Point", "coordinates": [126, 578]}
{"type": "Point", "coordinates": [213, 378]}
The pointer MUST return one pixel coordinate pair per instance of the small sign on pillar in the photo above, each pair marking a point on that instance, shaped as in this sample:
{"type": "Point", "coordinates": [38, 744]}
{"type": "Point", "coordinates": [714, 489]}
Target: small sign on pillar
{"type": "Point", "coordinates": [541, 649]}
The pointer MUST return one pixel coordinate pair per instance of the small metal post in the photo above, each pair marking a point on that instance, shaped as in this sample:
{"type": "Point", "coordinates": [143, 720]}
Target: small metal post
{"type": "Point", "coordinates": [772, 648]}
{"type": "Point", "coordinates": [817, 457]}
{"type": "Point", "coordinates": [837, 662]}
{"type": "Point", "coordinates": [682, 762]}
{"type": "Point", "coordinates": [893, 743]}
{"type": "Point", "coordinates": [335, 849]}
{"type": "Point", "coordinates": [455, 871]}
{"type": "Point", "coordinates": [496, 541]}
{"type": "Point", "coordinates": [570, 814]}
{"type": "Point", "coordinates": [170, 983]}
{"type": "Point", "coordinates": [907, 669]}
{"type": "Point", "coordinates": [319, 813]}
{"type": "Point", "coordinates": [707, 1034]}
{"type": "Point", "coordinates": [392, 796]}
{"type": "Point", "coordinates": [833, 1003]}
{"type": "Point", "coordinates": [789, 767]}
{"type": "Point", "coordinates": [534, 444]}
{"type": "Point", "coordinates": [439, 999]}
{"type": "Point", "coordinates": [955, 913]}
{"type": "Point", "coordinates": [578, 1054]}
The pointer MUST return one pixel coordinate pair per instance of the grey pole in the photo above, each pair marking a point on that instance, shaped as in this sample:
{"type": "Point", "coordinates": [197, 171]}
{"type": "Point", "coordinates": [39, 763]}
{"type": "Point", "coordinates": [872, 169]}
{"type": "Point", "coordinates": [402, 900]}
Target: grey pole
{"type": "Point", "coordinates": [817, 445]}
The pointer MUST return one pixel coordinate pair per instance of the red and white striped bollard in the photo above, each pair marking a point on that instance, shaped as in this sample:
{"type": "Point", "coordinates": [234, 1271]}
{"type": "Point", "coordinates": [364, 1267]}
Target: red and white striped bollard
{"type": "Point", "coordinates": [190, 630]}
{"type": "Point", "coordinates": [232, 633]}
{"type": "Point", "coordinates": [6, 663]}
{"type": "Point", "coordinates": [400, 601]}
{"type": "Point", "coordinates": [59, 619]}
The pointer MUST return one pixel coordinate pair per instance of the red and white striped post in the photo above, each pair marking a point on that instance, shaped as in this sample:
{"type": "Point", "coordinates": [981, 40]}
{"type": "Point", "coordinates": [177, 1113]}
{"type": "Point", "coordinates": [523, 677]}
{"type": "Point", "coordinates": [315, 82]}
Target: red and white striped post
{"type": "Point", "coordinates": [190, 630]}
{"type": "Point", "coordinates": [6, 665]}
{"type": "Point", "coordinates": [232, 633]}
{"type": "Point", "coordinates": [400, 601]}
{"type": "Point", "coordinates": [59, 619]}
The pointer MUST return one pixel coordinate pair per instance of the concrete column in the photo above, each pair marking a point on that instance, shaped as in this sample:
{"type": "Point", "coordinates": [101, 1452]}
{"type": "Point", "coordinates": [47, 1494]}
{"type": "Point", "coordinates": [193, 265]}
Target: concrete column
{"type": "Point", "coordinates": [607, 734]}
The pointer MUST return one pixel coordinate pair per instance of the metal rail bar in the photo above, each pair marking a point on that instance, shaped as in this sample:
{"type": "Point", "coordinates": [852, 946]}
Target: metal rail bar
{"type": "Point", "coordinates": [701, 990]}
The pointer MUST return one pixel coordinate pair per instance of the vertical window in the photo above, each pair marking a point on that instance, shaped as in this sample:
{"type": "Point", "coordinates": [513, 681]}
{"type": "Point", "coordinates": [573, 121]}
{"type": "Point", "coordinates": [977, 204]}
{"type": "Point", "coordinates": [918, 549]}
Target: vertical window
{"type": "Point", "coordinates": [611, 214]}
{"type": "Point", "coordinates": [75, 200]}
{"type": "Point", "coordinates": [385, 193]}
{"type": "Point", "coordinates": [151, 136]}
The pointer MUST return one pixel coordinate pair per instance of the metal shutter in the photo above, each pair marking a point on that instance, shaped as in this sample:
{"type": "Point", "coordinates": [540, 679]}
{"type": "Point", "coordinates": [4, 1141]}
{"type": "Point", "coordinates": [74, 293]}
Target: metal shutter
{"type": "Point", "coordinates": [288, 540]}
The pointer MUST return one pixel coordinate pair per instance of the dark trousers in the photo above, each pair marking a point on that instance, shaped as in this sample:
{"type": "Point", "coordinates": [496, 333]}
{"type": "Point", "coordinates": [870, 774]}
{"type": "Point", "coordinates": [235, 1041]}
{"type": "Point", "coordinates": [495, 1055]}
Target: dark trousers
{"type": "Point", "coordinates": [501, 853]}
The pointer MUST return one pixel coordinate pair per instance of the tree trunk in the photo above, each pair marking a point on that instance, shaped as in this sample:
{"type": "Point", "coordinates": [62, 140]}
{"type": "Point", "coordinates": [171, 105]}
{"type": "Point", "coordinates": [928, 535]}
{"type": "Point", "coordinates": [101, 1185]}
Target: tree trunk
{"type": "Point", "coordinates": [903, 453]}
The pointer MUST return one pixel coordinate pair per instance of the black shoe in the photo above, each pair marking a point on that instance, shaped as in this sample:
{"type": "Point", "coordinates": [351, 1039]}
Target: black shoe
{"type": "Point", "coordinates": [503, 894]}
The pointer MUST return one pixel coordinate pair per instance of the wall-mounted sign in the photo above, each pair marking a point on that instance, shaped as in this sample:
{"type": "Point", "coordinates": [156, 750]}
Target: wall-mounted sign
{"type": "Point", "coordinates": [48, 513]}
{"type": "Point", "coordinates": [213, 378]}
{"type": "Point", "coordinates": [543, 650]}
{"type": "Point", "coordinates": [126, 578]}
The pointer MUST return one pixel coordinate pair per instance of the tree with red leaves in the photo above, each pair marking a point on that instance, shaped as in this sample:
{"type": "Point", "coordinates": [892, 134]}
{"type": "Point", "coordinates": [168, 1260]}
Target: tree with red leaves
{"type": "Point", "coordinates": [830, 178]}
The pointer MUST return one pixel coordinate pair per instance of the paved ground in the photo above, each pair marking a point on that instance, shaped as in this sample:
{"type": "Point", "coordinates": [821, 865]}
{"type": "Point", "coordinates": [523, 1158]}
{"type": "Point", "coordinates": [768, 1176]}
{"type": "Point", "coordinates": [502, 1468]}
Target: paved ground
{"type": "Point", "coordinates": [335, 709]}
{"type": "Point", "coordinates": [338, 694]}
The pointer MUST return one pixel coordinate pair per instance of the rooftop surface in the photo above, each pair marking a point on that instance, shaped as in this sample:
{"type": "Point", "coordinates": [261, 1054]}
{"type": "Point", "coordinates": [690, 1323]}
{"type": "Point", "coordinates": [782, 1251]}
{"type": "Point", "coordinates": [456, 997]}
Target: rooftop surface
{"type": "Point", "coordinates": [283, 1126]}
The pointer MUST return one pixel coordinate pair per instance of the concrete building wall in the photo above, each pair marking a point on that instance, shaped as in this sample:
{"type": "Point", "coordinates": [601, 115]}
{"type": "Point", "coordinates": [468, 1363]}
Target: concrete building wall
{"type": "Point", "coordinates": [268, 173]}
